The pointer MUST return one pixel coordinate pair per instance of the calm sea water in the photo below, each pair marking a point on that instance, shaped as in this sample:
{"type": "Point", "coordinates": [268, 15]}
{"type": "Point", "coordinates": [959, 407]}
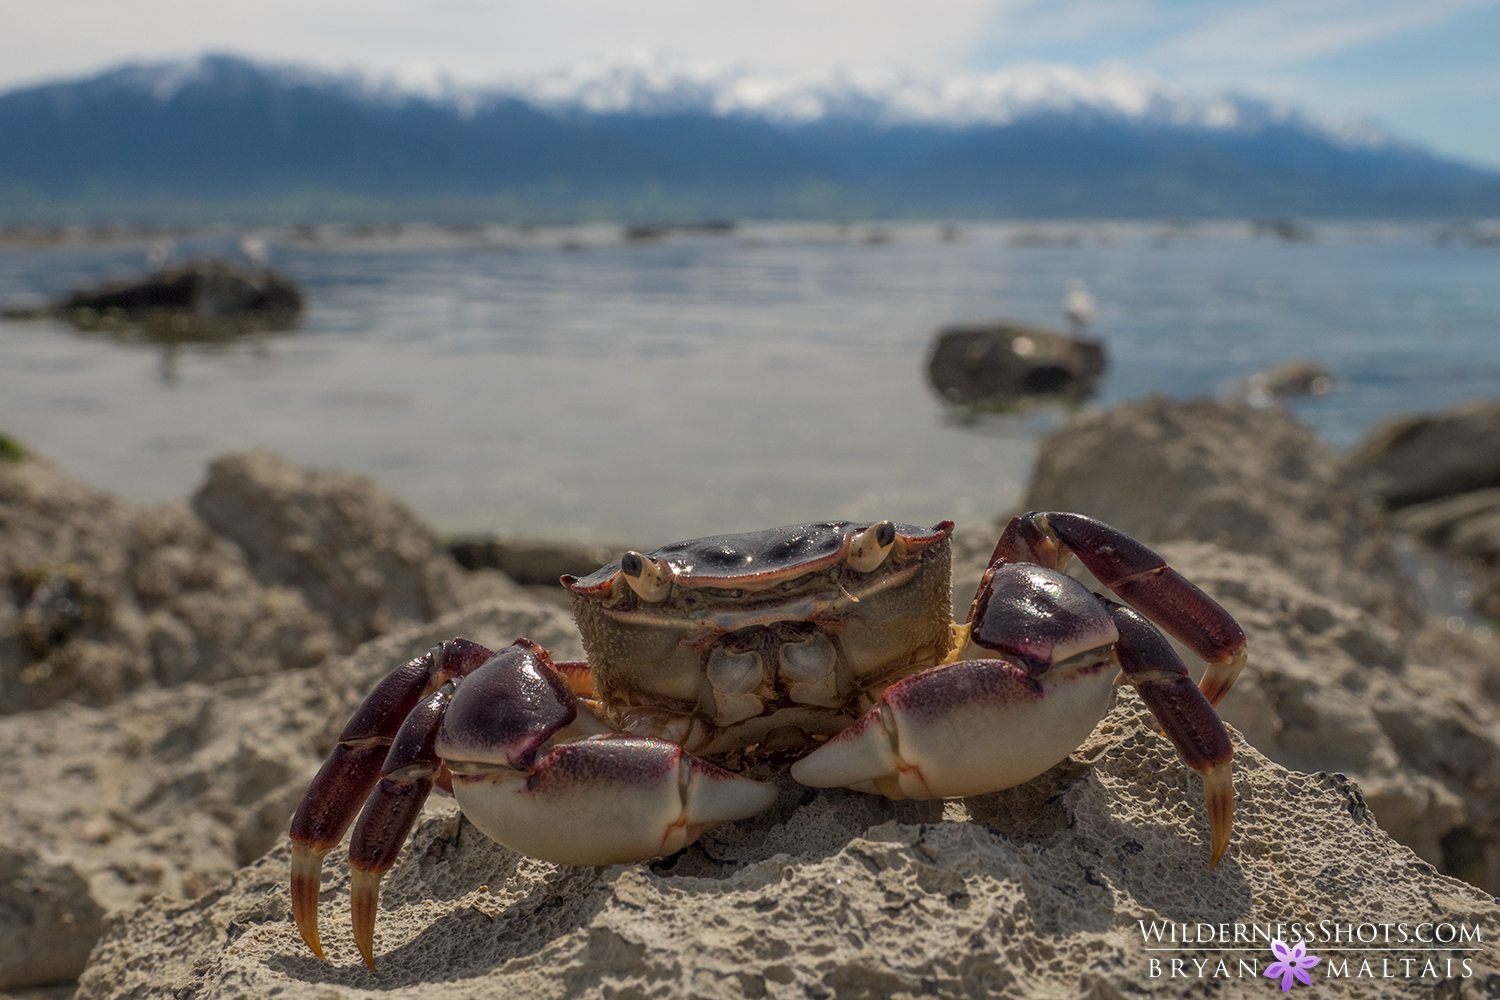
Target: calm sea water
{"type": "Point", "coordinates": [563, 382]}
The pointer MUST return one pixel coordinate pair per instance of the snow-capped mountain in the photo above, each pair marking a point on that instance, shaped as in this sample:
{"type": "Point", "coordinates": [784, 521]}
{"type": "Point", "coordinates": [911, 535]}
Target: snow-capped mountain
{"type": "Point", "coordinates": [660, 138]}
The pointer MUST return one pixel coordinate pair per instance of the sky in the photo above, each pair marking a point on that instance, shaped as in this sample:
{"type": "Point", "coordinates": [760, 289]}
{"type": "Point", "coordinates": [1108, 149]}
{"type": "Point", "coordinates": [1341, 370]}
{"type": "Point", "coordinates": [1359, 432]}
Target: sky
{"type": "Point", "coordinates": [1426, 70]}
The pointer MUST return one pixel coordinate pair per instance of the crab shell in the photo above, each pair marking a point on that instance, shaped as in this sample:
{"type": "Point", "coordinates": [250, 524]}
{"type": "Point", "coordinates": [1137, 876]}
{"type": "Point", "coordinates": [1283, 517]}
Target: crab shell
{"type": "Point", "coordinates": [715, 642]}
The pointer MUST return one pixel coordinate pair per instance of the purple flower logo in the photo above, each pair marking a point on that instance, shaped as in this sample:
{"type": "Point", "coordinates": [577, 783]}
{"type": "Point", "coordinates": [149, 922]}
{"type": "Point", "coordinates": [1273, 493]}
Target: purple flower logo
{"type": "Point", "coordinates": [1294, 963]}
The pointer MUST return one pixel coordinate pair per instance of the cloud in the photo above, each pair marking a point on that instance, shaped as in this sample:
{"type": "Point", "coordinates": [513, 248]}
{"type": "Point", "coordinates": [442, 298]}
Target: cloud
{"type": "Point", "coordinates": [1276, 32]}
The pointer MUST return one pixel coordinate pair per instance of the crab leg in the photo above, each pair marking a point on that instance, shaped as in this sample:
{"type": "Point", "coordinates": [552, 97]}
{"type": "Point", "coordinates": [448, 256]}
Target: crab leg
{"type": "Point", "coordinates": [351, 771]}
{"type": "Point", "coordinates": [407, 777]}
{"type": "Point", "coordinates": [1150, 663]}
{"type": "Point", "coordinates": [1141, 578]}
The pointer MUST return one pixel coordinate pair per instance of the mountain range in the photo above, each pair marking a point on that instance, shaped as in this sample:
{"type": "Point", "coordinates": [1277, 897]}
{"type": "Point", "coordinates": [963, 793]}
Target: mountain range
{"type": "Point", "coordinates": [224, 137]}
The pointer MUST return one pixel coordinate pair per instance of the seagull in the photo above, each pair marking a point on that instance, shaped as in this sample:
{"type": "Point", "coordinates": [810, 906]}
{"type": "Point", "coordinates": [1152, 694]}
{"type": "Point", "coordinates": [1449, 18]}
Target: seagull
{"type": "Point", "coordinates": [1078, 304]}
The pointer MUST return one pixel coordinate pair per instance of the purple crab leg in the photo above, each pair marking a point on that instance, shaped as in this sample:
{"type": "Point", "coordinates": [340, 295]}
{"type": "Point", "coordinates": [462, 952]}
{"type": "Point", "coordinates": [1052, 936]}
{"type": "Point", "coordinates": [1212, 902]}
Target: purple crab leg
{"type": "Point", "coordinates": [1140, 577]}
{"type": "Point", "coordinates": [352, 769]}
{"type": "Point", "coordinates": [406, 779]}
{"type": "Point", "coordinates": [1150, 663]}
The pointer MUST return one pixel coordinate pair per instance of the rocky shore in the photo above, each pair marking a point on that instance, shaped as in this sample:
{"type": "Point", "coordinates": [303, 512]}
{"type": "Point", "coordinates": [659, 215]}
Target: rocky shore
{"type": "Point", "coordinates": [173, 676]}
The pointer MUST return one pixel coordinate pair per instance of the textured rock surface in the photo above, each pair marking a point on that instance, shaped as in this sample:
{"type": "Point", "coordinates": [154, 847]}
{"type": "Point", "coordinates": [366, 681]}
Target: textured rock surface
{"type": "Point", "coordinates": [1250, 480]}
{"type": "Point", "coordinates": [355, 554]}
{"type": "Point", "coordinates": [168, 792]}
{"type": "Point", "coordinates": [1037, 892]}
{"type": "Point", "coordinates": [1420, 457]}
{"type": "Point", "coordinates": [99, 598]}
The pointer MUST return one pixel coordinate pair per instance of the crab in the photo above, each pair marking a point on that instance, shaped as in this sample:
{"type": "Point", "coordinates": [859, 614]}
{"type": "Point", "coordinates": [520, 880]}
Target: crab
{"type": "Point", "coordinates": [831, 641]}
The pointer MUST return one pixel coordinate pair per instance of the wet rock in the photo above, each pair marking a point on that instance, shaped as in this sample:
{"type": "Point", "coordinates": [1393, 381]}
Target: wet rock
{"type": "Point", "coordinates": [1421, 457]}
{"type": "Point", "coordinates": [202, 300]}
{"type": "Point", "coordinates": [99, 598]}
{"type": "Point", "coordinates": [1247, 479]}
{"type": "Point", "coordinates": [354, 553]}
{"type": "Point", "coordinates": [1035, 892]}
{"type": "Point", "coordinates": [997, 365]}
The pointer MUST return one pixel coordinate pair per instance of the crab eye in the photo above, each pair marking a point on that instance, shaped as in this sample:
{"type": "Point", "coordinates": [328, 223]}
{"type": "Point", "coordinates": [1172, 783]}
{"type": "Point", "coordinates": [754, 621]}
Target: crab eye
{"type": "Point", "coordinates": [868, 548]}
{"type": "Point", "coordinates": [652, 581]}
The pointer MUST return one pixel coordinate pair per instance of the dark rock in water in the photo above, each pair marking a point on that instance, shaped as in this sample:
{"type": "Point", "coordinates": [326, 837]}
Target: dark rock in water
{"type": "Point", "coordinates": [1298, 377]}
{"type": "Point", "coordinates": [1420, 457]}
{"type": "Point", "coordinates": [998, 365]}
{"type": "Point", "coordinates": [203, 300]}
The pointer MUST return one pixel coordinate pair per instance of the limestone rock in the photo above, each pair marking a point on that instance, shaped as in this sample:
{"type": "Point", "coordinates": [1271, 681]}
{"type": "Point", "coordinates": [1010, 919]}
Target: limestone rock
{"type": "Point", "coordinates": [1467, 528]}
{"type": "Point", "coordinates": [48, 920]}
{"type": "Point", "coordinates": [1035, 892]}
{"type": "Point", "coordinates": [168, 792]}
{"type": "Point", "coordinates": [99, 598]}
{"type": "Point", "coordinates": [1421, 457]}
{"type": "Point", "coordinates": [1246, 479]}
{"type": "Point", "coordinates": [355, 554]}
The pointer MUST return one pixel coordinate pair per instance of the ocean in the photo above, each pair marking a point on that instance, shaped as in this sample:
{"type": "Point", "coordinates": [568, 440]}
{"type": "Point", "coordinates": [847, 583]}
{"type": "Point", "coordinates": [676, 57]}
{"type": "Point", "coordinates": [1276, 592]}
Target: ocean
{"type": "Point", "coordinates": [565, 382]}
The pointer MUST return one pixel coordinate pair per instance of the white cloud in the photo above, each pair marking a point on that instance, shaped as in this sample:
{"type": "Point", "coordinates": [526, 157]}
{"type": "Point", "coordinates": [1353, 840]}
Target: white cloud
{"type": "Point", "coordinates": [479, 40]}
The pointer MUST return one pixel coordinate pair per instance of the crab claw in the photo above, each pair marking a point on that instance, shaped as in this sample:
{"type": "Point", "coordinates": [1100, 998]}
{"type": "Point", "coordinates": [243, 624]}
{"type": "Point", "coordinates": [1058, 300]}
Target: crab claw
{"type": "Point", "coordinates": [604, 800]}
{"type": "Point", "coordinates": [967, 728]}
{"type": "Point", "coordinates": [595, 801]}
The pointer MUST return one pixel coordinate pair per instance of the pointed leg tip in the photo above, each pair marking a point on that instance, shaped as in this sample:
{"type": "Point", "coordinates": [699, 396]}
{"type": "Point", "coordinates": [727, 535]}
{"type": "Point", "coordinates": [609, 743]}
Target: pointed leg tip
{"type": "Point", "coordinates": [306, 883]}
{"type": "Point", "coordinates": [1222, 674]}
{"type": "Point", "coordinates": [364, 901]}
{"type": "Point", "coordinates": [1218, 791]}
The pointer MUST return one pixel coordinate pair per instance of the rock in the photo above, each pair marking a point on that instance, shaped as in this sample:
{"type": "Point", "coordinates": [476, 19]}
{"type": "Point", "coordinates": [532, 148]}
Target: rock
{"type": "Point", "coordinates": [203, 300]}
{"type": "Point", "coordinates": [1291, 378]}
{"type": "Point", "coordinates": [1036, 892]}
{"type": "Point", "coordinates": [531, 562]}
{"type": "Point", "coordinates": [1410, 459]}
{"type": "Point", "coordinates": [1467, 528]}
{"type": "Point", "coordinates": [166, 793]}
{"type": "Point", "coordinates": [354, 553]}
{"type": "Point", "coordinates": [1247, 479]}
{"type": "Point", "coordinates": [1329, 687]}
{"type": "Point", "coordinates": [101, 598]}
{"type": "Point", "coordinates": [48, 920]}
{"type": "Point", "coordinates": [997, 365]}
